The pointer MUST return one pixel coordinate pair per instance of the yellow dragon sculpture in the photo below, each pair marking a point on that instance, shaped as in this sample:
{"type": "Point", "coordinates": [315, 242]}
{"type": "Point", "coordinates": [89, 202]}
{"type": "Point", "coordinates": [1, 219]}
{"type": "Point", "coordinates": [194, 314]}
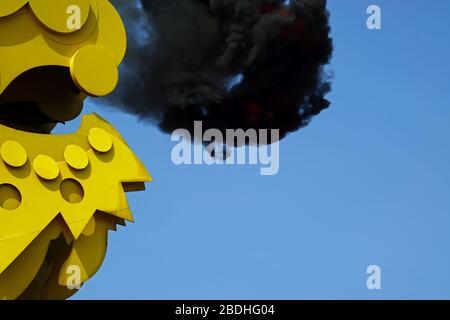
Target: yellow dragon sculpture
{"type": "Point", "coordinates": [59, 194]}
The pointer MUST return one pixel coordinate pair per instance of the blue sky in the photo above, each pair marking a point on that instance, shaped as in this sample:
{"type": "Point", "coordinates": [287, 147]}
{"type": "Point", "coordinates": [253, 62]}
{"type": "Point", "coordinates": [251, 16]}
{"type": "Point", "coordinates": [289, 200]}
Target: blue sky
{"type": "Point", "coordinates": [368, 182]}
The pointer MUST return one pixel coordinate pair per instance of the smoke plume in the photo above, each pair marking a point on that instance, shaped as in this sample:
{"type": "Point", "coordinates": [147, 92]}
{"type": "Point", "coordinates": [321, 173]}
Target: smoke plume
{"type": "Point", "coordinates": [229, 63]}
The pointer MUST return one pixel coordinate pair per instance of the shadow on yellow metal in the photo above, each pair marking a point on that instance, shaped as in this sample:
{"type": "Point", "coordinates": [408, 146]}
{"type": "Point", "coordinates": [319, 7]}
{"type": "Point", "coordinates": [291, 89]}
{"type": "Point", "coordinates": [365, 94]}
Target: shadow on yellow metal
{"type": "Point", "coordinates": [60, 194]}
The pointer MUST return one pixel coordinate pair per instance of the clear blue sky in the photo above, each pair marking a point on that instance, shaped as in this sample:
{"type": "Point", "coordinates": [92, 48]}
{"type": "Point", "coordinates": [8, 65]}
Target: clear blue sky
{"type": "Point", "coordinates": [368, 182]}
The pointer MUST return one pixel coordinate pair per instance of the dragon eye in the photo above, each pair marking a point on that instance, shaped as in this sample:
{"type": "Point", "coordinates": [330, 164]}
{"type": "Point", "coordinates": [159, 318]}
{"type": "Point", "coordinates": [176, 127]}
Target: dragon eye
{"type": "Point", "coordinates": [61, 16]}
{"type": "Point", "coordinates": [8, 7]}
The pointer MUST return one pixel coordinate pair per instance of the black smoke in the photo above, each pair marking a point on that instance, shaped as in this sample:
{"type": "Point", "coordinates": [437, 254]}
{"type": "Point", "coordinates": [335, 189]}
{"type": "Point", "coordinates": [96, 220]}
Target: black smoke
{"type": "Point", "coordinates": [183, 55]}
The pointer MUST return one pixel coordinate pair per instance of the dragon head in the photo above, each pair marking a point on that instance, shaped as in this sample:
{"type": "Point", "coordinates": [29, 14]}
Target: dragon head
{"type": "Point", "coordinates": [53, 54]}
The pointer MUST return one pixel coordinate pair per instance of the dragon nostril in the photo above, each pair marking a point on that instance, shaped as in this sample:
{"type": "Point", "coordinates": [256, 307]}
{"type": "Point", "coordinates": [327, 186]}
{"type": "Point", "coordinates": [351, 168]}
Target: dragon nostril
{"type": "Point", "coordinates": [10, 197]}
{"type": "Point", "coordinates": [72, 191]}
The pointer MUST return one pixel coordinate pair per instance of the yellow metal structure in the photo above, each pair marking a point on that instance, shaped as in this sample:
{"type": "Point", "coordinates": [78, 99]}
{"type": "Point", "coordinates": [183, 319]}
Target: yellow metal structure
{"type": "Point", "coordinates": [60, 194]}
